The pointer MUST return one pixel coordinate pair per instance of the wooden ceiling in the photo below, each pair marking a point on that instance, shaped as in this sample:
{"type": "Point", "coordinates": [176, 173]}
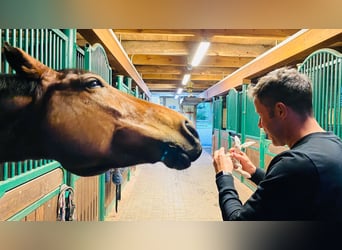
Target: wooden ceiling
{"type": "Point", "coordinates": [162, 57]}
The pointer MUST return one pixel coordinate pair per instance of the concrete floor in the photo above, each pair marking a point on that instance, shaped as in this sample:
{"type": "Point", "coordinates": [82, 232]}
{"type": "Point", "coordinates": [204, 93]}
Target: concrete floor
{"type": "Point", "coordinates": [157, 193]}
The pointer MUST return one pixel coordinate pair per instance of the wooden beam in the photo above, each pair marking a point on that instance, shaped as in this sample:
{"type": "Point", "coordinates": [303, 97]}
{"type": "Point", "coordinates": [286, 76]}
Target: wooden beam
{"type": "Point", "coordinates": [112, 44]}
{"type": "Point", "coordinates": [184, 49]}
{"type": "Point", "coordinates": [236, 50]}
{"type": "Point", "coordinates": [277, 33]}
{"type": "Point", "coordinates": [168, 87]}
{"type": "Point", "coordinates": [268, 41]}
{"type": "Point", "coordinates": [159, 60]}
{"type": "Point", "coordinates": [180, 77]}
{"type": "Point", "coordinates": [209, 61]}
{"type": "Point", "coordinates": [216, 38]}
{"type": "Point", "coordinates": [155, 69]}
{"type": "Point", "coordinates": [225, 61]}
{"type": "Point", "coordinates": [200, 70]}
{"type": "Point", "coordinates": [290, 51]}
{"type": "Point", "coordinates": [155, 48]}
{"type": "Point", "coordinates": [180, 70]}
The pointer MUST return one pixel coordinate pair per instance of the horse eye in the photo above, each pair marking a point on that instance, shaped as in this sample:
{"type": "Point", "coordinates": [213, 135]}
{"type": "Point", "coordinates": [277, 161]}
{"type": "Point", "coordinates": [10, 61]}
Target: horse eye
{"type": "Point", "coordinates": [94, 84]}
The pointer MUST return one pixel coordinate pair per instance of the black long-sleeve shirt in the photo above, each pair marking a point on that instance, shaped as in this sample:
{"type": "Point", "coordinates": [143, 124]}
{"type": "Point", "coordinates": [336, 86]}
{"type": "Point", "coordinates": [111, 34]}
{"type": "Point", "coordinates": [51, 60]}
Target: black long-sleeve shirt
{"type": "Point", "coordinates": [303, 183]}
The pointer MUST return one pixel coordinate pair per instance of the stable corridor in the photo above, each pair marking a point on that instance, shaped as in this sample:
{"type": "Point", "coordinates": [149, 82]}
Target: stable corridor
{"type": "Point", "coordinates": [157, 193]}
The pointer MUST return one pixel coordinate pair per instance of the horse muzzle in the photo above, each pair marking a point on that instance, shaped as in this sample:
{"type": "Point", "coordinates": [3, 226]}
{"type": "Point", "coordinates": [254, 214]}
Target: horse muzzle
{"type": "Point", "coordinates": [178, 157]}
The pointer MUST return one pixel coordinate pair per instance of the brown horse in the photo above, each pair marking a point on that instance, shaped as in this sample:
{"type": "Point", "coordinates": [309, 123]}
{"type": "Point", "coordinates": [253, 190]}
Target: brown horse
{"type": "Point", "coordinates": [78, 119]}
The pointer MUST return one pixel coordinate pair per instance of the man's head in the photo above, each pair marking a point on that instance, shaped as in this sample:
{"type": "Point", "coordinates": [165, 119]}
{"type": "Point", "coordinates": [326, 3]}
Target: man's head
{"type": "Point", "coordinates": [285, 85]}
{"type": "Point", "coordinates": [283, 100]}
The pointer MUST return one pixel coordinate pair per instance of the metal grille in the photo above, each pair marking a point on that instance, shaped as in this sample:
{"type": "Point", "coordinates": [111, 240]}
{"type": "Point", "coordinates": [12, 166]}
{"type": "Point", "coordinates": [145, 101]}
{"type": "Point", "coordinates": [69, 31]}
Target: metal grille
{"type": "Point", "coordinates": [97, 62]}
{"type": "Point", "coordinates": [324, 68]}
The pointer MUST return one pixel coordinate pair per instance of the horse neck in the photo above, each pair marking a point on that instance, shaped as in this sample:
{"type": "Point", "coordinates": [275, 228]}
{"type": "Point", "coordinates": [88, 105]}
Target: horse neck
{"type": "Point", "coordinates": [17, 130]}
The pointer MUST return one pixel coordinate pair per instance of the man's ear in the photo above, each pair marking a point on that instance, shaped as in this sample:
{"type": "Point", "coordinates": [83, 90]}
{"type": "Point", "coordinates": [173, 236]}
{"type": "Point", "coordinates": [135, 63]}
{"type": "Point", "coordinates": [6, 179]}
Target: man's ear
{"type": "Point", "coordinates": [281, 110]}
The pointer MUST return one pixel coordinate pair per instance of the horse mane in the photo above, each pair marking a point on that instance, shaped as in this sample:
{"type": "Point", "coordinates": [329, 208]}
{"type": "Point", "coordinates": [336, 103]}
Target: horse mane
{"type": "Point", "coordinates": [13, 85]}
{"type": "Point", "coordinates": [74, 71]}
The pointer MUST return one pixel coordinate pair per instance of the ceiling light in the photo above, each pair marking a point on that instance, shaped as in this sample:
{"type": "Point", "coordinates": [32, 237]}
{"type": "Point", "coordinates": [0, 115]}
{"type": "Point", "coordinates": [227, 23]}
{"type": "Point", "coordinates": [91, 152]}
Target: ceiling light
{"type": "Point", "coordinates": [200, 52]}
{"type": "Point", "coordinates": [186, 79]}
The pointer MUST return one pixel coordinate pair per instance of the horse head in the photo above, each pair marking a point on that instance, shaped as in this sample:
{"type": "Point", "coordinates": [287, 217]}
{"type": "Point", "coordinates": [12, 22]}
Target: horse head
{"type": "Point", "coordinates": [78, 119]}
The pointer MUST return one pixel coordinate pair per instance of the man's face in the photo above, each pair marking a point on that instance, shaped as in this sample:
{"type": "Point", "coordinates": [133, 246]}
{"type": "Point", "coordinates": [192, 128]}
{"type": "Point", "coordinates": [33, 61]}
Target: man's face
{"type": "Point", "coordinates": [270, 122]}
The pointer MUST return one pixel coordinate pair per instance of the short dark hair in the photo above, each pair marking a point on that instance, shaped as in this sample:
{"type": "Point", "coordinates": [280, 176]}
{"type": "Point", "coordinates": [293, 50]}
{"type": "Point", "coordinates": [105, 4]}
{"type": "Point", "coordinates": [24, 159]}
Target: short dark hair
{"type": "Point", "coordinates": [285, 85]}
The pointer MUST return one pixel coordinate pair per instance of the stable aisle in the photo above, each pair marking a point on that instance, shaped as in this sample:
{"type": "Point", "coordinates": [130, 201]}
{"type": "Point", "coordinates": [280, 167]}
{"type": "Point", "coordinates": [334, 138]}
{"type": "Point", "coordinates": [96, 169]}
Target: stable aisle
{"type": "Point", "coordinates": [157, 193]}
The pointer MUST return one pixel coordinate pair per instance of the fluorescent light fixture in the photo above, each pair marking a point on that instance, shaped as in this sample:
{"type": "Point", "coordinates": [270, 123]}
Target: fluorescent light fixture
{"type": "Point", "coordinates": [200, 52]}
{"type": "Point", "coordinates": [179, 91]}
{"type": "Point", "coordinates": [186, 79]}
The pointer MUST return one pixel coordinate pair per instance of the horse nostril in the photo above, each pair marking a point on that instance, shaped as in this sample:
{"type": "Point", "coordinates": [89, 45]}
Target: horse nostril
{"type": "Point", "coordinates": [193, 137]}
{"type": "Point", "coordinates": [191, 129]}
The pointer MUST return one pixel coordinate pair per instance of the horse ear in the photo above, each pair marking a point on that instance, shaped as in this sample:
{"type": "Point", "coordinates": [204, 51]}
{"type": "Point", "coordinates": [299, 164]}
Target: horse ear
{"type": "Point", "coordinates": [23, 63]}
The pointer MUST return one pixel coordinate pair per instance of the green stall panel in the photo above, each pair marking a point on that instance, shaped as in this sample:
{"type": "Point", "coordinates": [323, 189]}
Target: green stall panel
{"type": "Point", "coordinates": [47, 45]}
{"type": "Point", "coordinates": [252, 119]}
{"type": "Point", "coordinates": [217, 113]}
{"type": "Point", "coordinates": [97, 62]}
{"type": "Point", "coordinates": [233, 111]}
{"type": "Point", "coordinates": [217, 122]}
{"type": "Point", "coordinates": [80, 61]}
{"type": "Point", "coordinates": [324, 68]}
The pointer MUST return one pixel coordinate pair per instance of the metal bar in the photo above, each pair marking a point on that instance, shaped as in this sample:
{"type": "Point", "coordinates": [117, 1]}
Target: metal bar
{"type": "Point", "coordinates": [27, 31]}
{"type": "Point", "coordinates": [58, 53]}
{"type": "Point", "coordinates": [243, 112]}
{"type": "Point", "coordinates": [119, 80]}
{"type": "Point", "coordinates": [46, 46]}
{"type": "Point", "coordinates": [41, 43]}
{"type": "Point", "coordinates": [316, 89]}
{"type": "Point", "coordinates": [19, 168]}
{"type": "Point", "coordinates": [102, 190]}
{"type": "Point", "coordinates": [340, 98]}
{"type": "Point", "coordinates": [5, 171]}
{"type": "Point", "coordinates": [14, 37]}
{"type": "Point", "coordinates": [54, 51]}
{"type": "Point", "coordinates": [6, 65]}
{"type": "Point", "coordinates": [50, 48]}
{"type": "Point", "coordinates": [12, 164]}
{"type": "Point", "coordinates": [36, 164]}
{"type": "Point", "coordinates": [30, 165]}
{"type": "Point", "coordinates": [36, 44]}
{"type": "Point", "coordinates": [331, 84]}
{"type": "Point", "coordinates": [25, 163]}
{"type": "Point", "coordinates": [20, 38]}
{"type": "Point", "coordinates": [1, 53]}
{"type": "Point", "coordinates": [325, 93]}
{"type": "Point", "coordinates": [335, 101]}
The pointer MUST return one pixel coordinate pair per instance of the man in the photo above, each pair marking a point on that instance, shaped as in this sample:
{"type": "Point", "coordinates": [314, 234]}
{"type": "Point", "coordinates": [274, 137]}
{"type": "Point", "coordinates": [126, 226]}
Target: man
{"type": "Point", "coordinates": [302, 183]}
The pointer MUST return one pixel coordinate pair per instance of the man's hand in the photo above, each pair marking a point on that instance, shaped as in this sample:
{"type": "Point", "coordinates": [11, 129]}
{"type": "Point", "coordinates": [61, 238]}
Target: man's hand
{"type": "Point", "coordinates": [245, 162]}
{"type": "Point", "coordinates": [221, 161]}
